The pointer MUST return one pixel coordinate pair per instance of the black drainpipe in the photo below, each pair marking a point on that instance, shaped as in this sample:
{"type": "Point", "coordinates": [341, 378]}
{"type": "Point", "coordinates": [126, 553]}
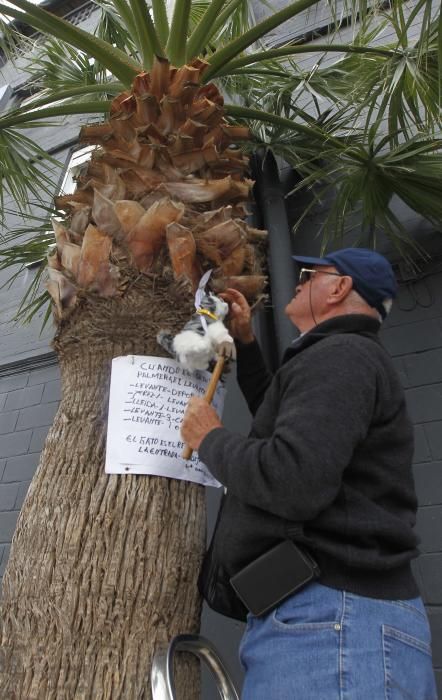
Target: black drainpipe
{"type": "Point", "coordinates": [270, 200]}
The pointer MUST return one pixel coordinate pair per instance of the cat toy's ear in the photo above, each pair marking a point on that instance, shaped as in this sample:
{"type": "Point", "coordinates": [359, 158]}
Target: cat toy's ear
{"type": "Point", "coordinates": [221, 307]}
{"type": "Point", "coordinates": [203, 301]}
{"type": "Point", "coordinates": [210, 301]}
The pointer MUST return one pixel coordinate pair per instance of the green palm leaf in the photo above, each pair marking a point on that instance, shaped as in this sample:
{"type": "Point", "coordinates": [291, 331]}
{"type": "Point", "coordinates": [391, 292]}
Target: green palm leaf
{"type": "Point", "coordinates": [176, 45]}
{"type": "Point", "coordinates": [236, 46]}
{"type": "Point", "coordinates": [21, 172]}
{"type": "Point", "coordinates": [34, 117]}
{"type": "Point", "coordinates": [364, 180]}
{"type": "Point", "coordinates": [149, 42]}
{"type": "Point", "coordinates": [35, 299]}
{"type": "Point", "coordinates": [58, 68]}
{"type": "Point", "coordinates": [117, 27]}
{"type": "Point", "coordinates": [114, 59]}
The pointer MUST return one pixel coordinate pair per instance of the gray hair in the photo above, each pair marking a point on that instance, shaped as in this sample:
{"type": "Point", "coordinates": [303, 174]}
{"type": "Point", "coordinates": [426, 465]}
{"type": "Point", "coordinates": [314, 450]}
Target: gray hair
{"type": "Point", "coordinates": [356, 300]}
{"type": "Point", "coordinates": [387, 304]}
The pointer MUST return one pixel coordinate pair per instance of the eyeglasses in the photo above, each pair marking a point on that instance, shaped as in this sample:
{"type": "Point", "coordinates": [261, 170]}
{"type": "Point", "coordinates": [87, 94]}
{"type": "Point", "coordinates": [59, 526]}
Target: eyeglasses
{"type": "Point", "coordinates": [305, 274]}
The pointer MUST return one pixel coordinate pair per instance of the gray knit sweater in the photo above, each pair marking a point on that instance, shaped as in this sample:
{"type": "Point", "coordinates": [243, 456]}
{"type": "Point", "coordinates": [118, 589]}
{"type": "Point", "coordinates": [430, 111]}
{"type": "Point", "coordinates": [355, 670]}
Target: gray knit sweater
{"type": "Point", "coordinates": [327, 462]}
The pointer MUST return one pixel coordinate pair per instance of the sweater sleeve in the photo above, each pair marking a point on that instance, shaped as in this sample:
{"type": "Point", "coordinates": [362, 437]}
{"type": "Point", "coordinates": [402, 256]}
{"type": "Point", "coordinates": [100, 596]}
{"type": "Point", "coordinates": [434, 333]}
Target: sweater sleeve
{"type": "Point", "coordinates": [253, 375]}
{"type": "Point", "coordinates": [326, 407]}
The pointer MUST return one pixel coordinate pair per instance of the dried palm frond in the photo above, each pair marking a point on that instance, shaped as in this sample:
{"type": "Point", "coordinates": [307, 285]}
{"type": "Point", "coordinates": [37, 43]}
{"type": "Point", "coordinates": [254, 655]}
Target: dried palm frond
{"type": "Point", "coordinates": [165, 184]}
{"type": "Point", "coordinates": [249, 285]}
{"type": "Point", "coordinates": [182, 251]}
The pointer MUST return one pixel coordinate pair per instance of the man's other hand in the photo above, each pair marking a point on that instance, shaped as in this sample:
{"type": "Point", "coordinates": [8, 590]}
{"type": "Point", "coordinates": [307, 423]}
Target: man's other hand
{"type": "Point", "coordinates": [240, 315]}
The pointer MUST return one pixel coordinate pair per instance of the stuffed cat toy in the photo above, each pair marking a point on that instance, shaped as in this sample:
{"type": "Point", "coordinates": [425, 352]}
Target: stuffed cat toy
{"type": "Point", "coordinates": [204, 338]}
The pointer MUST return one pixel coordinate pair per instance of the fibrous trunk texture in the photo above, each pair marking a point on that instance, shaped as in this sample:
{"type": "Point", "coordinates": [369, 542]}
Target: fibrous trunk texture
{"type": "Point", "coordinates": [103, 569]}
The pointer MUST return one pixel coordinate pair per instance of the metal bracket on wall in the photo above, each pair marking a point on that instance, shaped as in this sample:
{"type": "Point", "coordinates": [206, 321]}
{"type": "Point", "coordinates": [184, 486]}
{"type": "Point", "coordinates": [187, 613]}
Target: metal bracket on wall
{"type": "Point", "coordinates": [162, 682]}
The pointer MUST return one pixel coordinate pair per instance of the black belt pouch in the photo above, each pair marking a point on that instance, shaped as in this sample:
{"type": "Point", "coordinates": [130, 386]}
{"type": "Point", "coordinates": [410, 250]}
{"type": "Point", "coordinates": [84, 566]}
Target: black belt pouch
{"type": "Point", "coordinates": [274, 576]}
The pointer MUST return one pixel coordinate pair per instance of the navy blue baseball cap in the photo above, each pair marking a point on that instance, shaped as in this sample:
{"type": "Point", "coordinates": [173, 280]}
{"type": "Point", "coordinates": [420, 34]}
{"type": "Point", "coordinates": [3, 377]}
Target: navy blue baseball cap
{"type": "Point", "coordinates": [372, 274]}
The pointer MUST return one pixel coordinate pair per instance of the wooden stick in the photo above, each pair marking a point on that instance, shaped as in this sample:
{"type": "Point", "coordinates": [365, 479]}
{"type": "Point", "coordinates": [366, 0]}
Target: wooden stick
{"type": "Point", "coordinates": [210, 392]}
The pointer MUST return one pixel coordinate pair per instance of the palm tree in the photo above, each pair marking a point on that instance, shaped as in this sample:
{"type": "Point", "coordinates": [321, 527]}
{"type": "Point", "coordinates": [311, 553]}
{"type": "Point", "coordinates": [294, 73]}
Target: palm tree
{"type": "Point", "coordinates": [103, 568]}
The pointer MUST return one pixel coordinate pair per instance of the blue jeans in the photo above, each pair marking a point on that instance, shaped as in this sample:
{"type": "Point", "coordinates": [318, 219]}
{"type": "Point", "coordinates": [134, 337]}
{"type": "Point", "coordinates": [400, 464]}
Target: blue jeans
{"type": "Point", "coordinates": [325, 644]}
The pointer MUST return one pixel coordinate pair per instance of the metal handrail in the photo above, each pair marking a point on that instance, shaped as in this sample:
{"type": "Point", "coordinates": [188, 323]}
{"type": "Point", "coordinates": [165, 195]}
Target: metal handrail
{"type": "Point", "coordinates": [162, 682]}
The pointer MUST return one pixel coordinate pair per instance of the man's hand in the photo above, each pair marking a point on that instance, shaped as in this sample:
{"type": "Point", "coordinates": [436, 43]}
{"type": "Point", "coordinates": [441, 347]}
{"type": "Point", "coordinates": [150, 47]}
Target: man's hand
{"type": "Point", "coordinates": [199, 419]}
{"type": "Point", "coordinates": [240, 315]}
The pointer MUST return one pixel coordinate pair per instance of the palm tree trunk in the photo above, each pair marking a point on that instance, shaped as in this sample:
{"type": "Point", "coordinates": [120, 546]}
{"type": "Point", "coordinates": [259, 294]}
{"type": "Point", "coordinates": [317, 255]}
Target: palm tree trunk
{"type": "Point", "coordinates": [103, 568]}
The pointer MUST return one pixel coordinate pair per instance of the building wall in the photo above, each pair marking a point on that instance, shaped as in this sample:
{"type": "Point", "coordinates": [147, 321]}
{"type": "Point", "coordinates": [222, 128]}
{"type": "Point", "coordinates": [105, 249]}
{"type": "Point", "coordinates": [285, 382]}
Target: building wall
{"type": "Point", "coordinates": [28, 402]}
{"type": "Point", "coordinates": [413, 336]}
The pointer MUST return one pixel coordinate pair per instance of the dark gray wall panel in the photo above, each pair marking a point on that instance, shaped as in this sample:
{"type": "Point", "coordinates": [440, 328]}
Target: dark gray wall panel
{"type": "Point", "coordinates": [428, 480]}
{"type": "Point", "coordinates": [20, 448]}
{"type": "Point", "coordinates": [413, 335]}
{"type": "Point", "coordinates": [433, 434]}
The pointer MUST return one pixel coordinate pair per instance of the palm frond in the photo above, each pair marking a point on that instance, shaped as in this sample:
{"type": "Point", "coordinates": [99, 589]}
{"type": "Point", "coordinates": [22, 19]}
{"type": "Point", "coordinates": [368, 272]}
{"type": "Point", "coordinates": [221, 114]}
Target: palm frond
{"type": "Point", "coordinates": [114, 59]}
{"type": "Point", "coordinates": [234, 21]}
{"type": "Point", "coordinates": [26, 254]}
{"type": "Point", "coordinates": [149, 42]}
{"type": "Point", "coordinates": [248, 114]}
{"type": "Point", "coordinates": [296, 49]}
{"type": "Point", "coordinates": [30, 244]}
{"type": "Point", "coordinates": [402, 87]}
{"type": "Point", "coordinates": [58, 68]}
{"type": "Point", "coordinates": [35, 224]}
{"type": "Point", "coordinates": [365, 178]}
{"type": "Point", "coordinates": [33, 299]}
{"type": "Point", "coordinates": [11, 39]}
{"type": "Point", "coordinates": [116, 26]}
{"type": "Point", "coordinates": [25, 170]}
{"type": "Point", "coordinates": [33, 302]}
{"type": "Point", "coordinates": [32, 116]}
{"type": "Point", "coordinates": [239, 44]}
{"type": "Point", "coordinates": [59, 62]}
{"type": "Point", "coordinates": [176, 44]}
{"type": "Point", "coordinates": [201, 28]}
{"type": "Point", "coordinates": [160, 20]}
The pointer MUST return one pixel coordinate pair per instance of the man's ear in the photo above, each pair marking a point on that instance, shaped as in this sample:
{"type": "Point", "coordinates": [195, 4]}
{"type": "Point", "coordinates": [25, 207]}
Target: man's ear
{"type": "Point", "coordinates": [341, 289]}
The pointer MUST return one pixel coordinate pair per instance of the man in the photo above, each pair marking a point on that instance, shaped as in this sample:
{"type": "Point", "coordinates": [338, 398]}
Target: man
{"type": "Point", "coordinates": [327, 465]}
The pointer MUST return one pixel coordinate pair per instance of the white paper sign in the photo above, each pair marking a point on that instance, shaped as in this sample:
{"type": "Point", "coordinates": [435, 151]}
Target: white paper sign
{"type": "Point", "coordinates": [148, 396]}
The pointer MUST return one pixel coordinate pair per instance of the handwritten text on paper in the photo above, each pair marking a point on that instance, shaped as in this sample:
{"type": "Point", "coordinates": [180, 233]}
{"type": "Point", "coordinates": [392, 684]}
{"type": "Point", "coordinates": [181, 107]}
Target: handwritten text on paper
{"type": "Point", "coordinates": [148, 396]}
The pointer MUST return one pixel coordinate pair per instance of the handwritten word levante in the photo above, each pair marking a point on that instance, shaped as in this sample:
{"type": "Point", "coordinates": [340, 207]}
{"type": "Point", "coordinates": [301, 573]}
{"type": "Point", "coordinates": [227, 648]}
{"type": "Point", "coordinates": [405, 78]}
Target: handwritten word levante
{"type": "Point", "coordinates": [151, 403]}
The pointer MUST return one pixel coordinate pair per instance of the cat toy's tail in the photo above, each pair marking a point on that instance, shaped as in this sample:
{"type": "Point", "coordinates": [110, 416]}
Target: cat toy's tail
{"type": "Point", "coordinates": [165, 339]}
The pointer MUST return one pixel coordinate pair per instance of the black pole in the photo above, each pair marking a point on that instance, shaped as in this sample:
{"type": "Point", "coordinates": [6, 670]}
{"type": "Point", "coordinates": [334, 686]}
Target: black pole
{"type": "Point", "coordinates": [269, 196]}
